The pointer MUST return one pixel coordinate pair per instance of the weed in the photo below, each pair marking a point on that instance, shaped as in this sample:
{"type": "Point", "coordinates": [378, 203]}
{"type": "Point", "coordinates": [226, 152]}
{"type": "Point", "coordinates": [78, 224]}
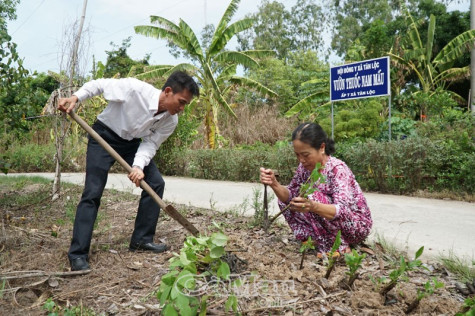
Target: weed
{"type": "Point", "coordinates": [54, 309]}
{"type": "Point", "coordinates": [464, 271]}
{"type": "Point", "coordinates": [468, 307]}
{"type": "Point", "coordinates": [212, 203]}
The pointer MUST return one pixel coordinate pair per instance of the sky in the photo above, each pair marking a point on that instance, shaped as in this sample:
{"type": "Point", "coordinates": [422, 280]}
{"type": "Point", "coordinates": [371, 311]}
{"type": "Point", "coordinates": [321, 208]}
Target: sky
{"type": "Point", "coordinates": [41, 24]}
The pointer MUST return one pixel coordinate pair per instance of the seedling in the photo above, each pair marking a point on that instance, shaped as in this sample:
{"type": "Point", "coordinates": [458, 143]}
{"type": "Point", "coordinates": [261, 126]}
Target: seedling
{"type": "Point", "coordinates": [401, 271]}
{"type": "Point", "coordinates": [306, 245]}
{"type": "Point", "coordinates": [353, 261]}
{"type": "Point", "coordinates": [468, 307]}
{"type": "Point", "coordinates": [333, 254]}
{"type": "Point", "coordinates": [429, 289]}
{"type": "Point", "coordinates": [199, 256]}
{"type": "Point", "coordinates": [309, 187]}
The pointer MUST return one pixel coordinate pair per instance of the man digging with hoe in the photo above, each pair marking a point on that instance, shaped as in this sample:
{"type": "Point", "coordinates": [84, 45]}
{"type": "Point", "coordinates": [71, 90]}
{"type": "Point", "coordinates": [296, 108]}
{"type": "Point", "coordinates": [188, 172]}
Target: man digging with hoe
{"type": "Point", "coordinates": [137, 120]}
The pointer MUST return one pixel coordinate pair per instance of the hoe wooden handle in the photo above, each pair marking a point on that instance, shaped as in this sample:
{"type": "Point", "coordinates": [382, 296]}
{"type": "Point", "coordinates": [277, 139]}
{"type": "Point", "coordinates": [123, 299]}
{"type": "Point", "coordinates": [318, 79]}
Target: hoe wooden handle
{"type": "Point", "coordinates": [169, 209]}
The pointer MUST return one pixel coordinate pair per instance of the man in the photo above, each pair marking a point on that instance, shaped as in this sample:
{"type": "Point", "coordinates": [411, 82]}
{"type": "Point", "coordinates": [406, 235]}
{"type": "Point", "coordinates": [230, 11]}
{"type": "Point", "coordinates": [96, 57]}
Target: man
{"type": "Point", "coordinates": [137, 120]}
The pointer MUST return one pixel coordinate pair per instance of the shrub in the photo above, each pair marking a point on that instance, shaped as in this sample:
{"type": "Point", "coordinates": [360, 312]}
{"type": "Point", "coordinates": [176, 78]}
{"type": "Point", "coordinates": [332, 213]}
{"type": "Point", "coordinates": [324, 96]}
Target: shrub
{"type": "Point", "coordinates": [235, 164]}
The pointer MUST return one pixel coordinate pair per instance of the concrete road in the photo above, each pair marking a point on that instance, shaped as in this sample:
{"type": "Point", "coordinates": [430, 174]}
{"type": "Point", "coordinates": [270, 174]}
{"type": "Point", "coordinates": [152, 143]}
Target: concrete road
{"type": "Point", "coordinates": [442, 227]}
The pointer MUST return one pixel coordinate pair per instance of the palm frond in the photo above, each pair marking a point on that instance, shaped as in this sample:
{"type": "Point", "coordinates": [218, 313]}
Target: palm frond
{"type": "Point", "coordinates": [192, 44]}
{"type": "Point", "coordinates": [303, 104]}
{"type": "Point", "coordinates": [227, 15]}
{"type": "Point", "coordinates": [153, 74]}
{"type": "Point", "coordinates": [227, 72]}
{"type": "Point", "coordinates": [460, 45]}
{"type": "Point", "coordinates": [154, 67]}
{"type": "Point", "coordinates": [222, 38]}
{"type": "Point", "coordinates": [161, 33]}
{"type": "Point", "coordinates": [253, 85]}
{"type": "Point", "coordinates": [454, 74]}
{"type": "Point", "coordinates": [236, 57]}
{"type": "Point", "coordinates": [259, 53]}
{"type": "Point", "coordinates": [430, 38]}
{"type": "Point", "coordinates": [164, 23]}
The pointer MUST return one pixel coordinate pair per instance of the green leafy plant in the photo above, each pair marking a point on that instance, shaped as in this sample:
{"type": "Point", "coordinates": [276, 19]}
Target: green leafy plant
{"type": "Point", "coordinates": [2, 288]}
{"type": "Point", "coordinates": [333, 255]}
{"type": "Point", "coordinates": [429, 289]}
{"type": "Point", "coordinates": [401, 271]}
{"type": "Point", "coordinates": [54, 309]}
{"type": "Point", "coordinates": [4, 166]}
{"type": "Point", "coordinates": [307, 188]}
{"type": "Point", "coordinates": [306, 245]}
{"type": "Point", "coordinates": [353, 261]}
{"type": "Point", "coordinates": [468, 307]}
{"type": "Point", "coordinates": [199, 259]}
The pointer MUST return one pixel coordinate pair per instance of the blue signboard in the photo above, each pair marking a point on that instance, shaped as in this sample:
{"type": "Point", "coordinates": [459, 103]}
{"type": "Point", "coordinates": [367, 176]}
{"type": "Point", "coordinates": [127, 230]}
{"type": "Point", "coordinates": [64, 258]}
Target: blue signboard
{"type": "Point", "coordinates": [369, 78]}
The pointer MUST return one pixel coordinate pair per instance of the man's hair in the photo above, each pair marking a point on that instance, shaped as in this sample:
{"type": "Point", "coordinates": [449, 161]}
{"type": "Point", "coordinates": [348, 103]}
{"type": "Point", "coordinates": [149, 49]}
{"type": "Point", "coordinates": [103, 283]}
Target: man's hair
{"type": "Point", "coordinates": [180, 81]}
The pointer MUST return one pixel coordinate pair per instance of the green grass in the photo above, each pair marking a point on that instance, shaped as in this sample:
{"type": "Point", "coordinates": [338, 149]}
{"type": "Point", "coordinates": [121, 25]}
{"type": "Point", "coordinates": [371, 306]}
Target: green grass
{"type": "Point", "coordinates": [20, 182]}
{"type": "Point", "coordinates": [463, 269]}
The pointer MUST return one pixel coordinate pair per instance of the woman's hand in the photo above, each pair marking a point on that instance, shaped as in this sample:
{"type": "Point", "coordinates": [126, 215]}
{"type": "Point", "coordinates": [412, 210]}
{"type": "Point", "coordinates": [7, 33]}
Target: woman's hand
{"type": "Point", "coordinates": [268, 177]}
{"type": "Point", "coordinates": [303, 205]}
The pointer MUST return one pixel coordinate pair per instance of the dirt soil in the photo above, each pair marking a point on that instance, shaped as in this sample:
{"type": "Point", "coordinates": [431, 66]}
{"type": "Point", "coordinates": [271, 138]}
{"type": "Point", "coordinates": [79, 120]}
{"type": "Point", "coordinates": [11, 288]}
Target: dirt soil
{"type": "Point", "coordinates": [35, 236]}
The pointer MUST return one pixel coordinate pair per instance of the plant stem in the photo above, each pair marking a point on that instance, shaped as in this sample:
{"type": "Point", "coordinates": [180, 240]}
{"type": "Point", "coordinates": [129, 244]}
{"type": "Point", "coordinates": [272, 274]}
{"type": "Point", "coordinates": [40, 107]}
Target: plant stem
{"type": "Point", "coordinates": [413, 306]}
{"type": "Point", "coordinates": [303, 257]}
{"type": "Point", "coordinates": [352, 279]}
{"type": "Point", "coordinates": [388, 288]}
{"type": "Point", "coordinates": [329, 270]}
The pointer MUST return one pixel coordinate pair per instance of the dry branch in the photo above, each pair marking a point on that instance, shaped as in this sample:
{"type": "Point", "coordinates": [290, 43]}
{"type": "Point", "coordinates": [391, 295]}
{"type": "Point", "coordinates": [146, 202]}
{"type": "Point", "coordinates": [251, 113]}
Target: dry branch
{"type": "Point", "coordinates": [42, 274]}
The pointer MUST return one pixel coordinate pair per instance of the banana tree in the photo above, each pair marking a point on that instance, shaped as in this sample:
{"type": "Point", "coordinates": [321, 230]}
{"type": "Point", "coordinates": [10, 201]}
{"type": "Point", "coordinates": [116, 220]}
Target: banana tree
{"type": "Point", "coordinates": [433, 74]}
{"type": "Point", "coordinates": [213, 66]}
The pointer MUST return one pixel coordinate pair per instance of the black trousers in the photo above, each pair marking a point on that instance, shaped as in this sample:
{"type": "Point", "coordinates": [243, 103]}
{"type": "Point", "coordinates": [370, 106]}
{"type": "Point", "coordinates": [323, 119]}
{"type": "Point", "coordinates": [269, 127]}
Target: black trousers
{"type": "Point", "coordinates": [98, 164]}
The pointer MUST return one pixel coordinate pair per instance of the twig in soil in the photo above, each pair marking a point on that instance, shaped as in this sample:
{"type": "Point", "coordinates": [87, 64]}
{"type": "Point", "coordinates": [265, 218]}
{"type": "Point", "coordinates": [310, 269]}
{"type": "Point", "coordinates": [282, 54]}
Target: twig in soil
{"type": "Point", "coordinates": [303, 258]}
{"type": "Point", "coordinates": [412, 306]}
{"type": "Point", "coordinates": [42, 273]}
{"type": "Point", "coordinates": [62, 295]}
{"type": "Point", "coordinates": [293, 304]}
{"type": "Point", "coordinates": [387, 288]}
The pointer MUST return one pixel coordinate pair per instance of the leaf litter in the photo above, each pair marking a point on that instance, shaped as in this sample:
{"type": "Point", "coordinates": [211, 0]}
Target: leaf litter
{"type": "Point", "coordinates": [34, 241]}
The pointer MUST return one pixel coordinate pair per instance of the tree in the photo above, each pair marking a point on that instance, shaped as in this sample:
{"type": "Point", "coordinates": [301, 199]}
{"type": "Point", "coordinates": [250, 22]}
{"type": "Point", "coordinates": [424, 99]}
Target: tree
{"type": "Point", "coordinates": [352, 18]}
{"type": "Point", "coordinates": [118, 61]}
{"type": "Point", "coordinates": [12, 73]}
{"type": "Point", "coordinates": [433, 74]}
{"type": "Point", "coordinates": [213, 66]}
{"type": "Point", "coordinates": [285, 31]}
{"type": "Point", "coordinates": [286, 78]}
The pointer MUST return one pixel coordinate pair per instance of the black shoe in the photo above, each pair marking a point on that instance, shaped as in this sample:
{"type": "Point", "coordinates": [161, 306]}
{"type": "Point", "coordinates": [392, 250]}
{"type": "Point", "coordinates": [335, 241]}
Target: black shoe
{"type": "Point", "coordinates": [79, 264]}
{"type": "Point", "coordinates": [150, 246]}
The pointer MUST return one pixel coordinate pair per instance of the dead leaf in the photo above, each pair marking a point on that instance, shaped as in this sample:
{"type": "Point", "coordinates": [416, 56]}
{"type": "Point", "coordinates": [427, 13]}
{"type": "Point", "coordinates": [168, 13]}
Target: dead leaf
{"type": "Point", "coordinates": [367, 250]}
{"type": "Point", "coordinates": [53, 282]}
{"type": "Point", "coordinates": [297, 275]}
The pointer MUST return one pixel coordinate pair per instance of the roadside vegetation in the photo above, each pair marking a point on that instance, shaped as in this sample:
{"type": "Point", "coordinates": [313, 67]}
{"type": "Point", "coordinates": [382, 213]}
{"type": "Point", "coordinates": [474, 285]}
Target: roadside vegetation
{"type": "Point", "coordinates": [243, 122]}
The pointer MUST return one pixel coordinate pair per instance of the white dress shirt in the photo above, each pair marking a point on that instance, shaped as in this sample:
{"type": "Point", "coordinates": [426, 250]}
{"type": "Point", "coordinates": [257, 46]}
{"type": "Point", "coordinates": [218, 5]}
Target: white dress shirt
{"type": "Point", "coordinates": [130, 113]}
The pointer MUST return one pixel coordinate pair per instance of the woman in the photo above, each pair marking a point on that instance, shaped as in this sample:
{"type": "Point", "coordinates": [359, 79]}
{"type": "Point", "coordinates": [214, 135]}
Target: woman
{"type": "Point", "coordinates": [337, 205]}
